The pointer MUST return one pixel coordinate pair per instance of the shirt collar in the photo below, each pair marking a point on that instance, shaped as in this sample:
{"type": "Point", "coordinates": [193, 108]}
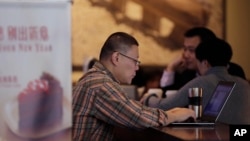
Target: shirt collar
{"type": "Point", "coordinates": [98, 66]}
{"type": "Point", "coordinates": [217, 69]}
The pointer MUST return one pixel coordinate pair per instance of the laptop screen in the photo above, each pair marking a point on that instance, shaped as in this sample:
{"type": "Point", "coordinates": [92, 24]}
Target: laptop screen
{"type": "Point", "coordinates": [218, 99]}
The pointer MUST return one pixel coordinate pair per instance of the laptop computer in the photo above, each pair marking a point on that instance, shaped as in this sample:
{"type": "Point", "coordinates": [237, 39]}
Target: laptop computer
{"type": "Point", "coordinates": [214, 107]}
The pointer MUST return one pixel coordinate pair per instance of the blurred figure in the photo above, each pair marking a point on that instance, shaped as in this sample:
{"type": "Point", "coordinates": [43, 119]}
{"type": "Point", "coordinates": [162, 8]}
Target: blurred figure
{"type": "Point", "coordinates": [88, 63]}
{"type": "Point", "coordinates": [152, 81]}
{"type": "Point", "coordinates": [184, 68]}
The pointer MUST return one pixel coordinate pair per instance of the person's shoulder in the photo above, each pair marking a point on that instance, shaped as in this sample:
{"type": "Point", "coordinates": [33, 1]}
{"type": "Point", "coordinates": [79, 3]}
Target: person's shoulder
{"type": "Point", "coordinates": [236, 69]}
{"type": "Point", "coordinates": [234, 66]}
{"type": "Point", "coordinates": [201, 80]}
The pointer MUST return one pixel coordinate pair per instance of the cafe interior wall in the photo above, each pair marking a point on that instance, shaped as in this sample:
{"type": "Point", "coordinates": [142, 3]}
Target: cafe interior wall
{"type": "Point", "coordinates": [92, 24]}
{"type": "Point", "coordinates": [238, 32]}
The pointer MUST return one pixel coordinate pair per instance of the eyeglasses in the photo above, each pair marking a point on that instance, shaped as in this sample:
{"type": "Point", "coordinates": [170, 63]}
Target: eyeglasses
{"type": "Point", "coordinates": [137, 63]}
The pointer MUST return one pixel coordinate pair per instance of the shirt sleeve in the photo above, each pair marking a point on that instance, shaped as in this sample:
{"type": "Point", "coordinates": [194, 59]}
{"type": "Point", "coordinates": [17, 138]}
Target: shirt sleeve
{"type": "Point", "coordinates": [114, 107]}
{"type": "Point", "coordinates": [167, 78]}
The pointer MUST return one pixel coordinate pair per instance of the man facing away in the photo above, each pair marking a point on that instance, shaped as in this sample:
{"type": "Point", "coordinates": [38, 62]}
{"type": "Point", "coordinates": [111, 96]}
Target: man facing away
{"type": "Point", "coordinates": [184, 68]}
{"type": "Point", "coordinates": [99, 102]}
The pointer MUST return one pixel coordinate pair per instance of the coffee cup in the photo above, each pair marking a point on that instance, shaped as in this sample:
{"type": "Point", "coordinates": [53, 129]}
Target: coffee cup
{"type": "Point", "coordinates": [195, 101]}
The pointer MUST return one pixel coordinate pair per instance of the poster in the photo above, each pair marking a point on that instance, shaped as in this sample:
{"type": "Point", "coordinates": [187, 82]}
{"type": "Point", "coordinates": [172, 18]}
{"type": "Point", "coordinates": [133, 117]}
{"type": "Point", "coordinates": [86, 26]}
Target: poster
{"type": "Point", "coordinates": [35, 72]}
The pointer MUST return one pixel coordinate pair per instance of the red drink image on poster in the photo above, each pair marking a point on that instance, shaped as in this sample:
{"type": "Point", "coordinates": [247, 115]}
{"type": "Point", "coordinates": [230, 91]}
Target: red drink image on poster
{"type": "Point", "coordinates": [40, 105]}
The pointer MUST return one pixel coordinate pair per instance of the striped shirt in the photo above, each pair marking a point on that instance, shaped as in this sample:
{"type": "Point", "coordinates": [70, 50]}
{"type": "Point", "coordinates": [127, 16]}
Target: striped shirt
{"type": "Point", "coordinates": [99, 104]}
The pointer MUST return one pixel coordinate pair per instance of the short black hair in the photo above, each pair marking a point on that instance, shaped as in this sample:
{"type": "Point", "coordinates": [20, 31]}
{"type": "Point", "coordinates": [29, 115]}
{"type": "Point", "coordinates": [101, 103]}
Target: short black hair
{"type": "Point", "coordinates": [216, 51]}
{"type": "Point", "coordinates": [118, 41]}
{"type": "Point", "coordinates": [92, 62]}
{"type": "Point", "coordinates": [204, 33]}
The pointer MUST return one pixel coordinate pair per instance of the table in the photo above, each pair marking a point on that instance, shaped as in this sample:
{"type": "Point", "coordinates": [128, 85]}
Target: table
{"type": "Point", "coordinates": [218, 132]}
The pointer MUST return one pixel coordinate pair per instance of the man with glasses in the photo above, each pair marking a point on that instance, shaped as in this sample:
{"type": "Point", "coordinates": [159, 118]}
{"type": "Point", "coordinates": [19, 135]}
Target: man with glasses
{"type": "Point", "coordinates": [99, 102]}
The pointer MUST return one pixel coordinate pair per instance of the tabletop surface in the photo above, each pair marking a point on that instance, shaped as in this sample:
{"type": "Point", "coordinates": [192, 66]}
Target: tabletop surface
{"type": "Point", "coordinates": [218, 132]}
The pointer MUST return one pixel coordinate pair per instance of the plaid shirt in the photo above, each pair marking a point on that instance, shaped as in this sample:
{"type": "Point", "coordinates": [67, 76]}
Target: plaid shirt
{"type": "Point", "coordinates": [99, 104]}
